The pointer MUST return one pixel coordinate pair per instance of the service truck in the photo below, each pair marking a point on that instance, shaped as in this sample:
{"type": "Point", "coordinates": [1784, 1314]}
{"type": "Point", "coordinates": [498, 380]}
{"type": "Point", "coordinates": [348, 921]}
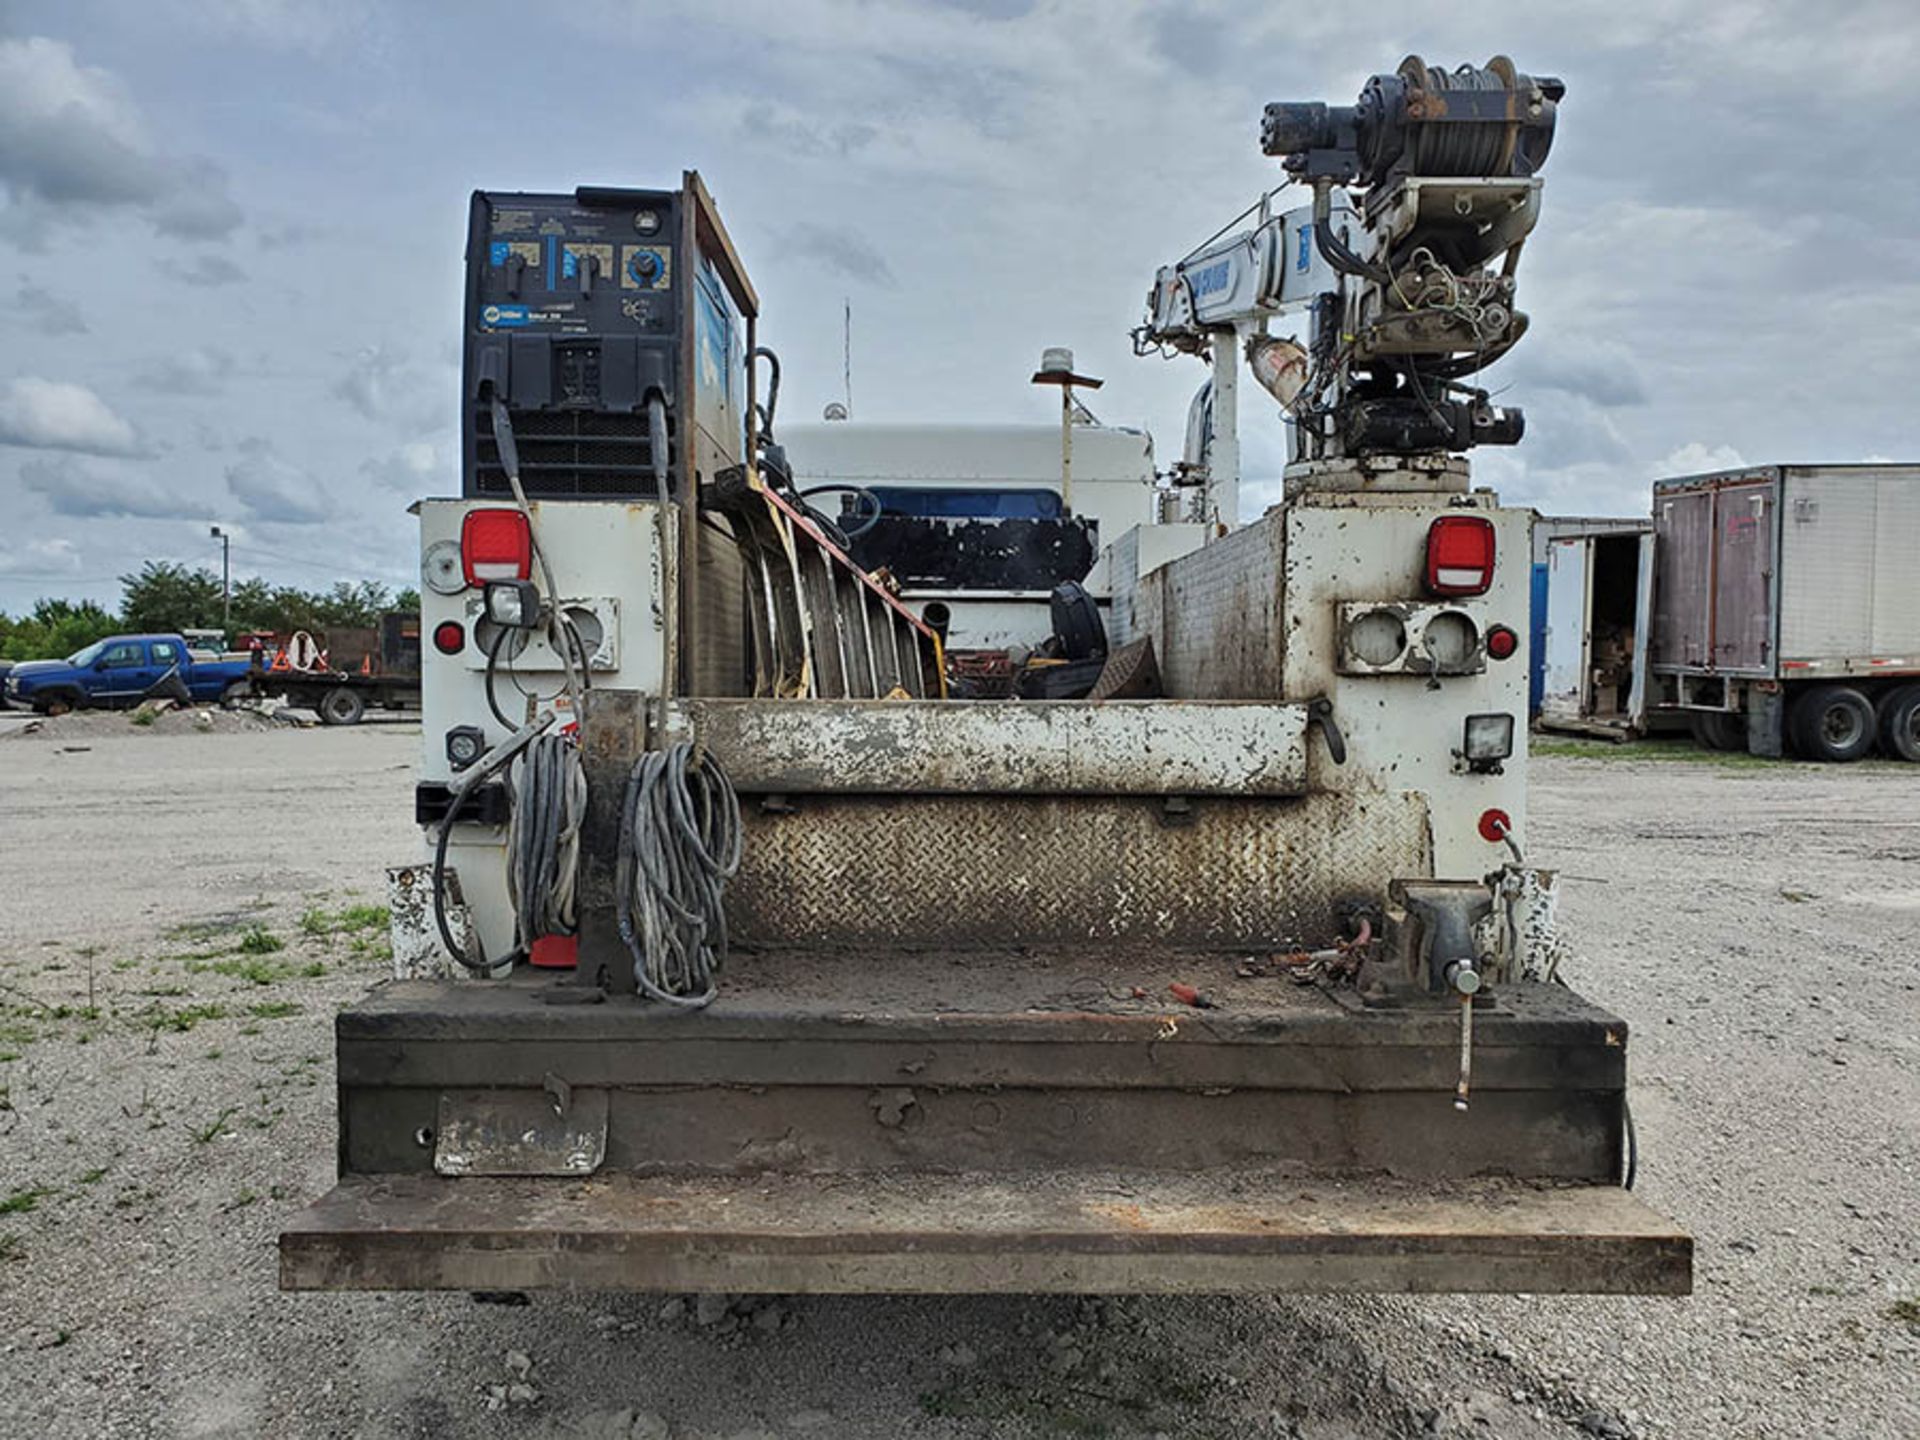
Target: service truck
{"type": "Point", "coordinates": [741, 955]}
{"type": "Point", "coordinates": [1787, 608]}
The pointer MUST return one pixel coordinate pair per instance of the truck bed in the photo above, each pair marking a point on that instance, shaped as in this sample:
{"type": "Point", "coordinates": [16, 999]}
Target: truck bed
{"type": "Point", "coordinates": [999, 1121]}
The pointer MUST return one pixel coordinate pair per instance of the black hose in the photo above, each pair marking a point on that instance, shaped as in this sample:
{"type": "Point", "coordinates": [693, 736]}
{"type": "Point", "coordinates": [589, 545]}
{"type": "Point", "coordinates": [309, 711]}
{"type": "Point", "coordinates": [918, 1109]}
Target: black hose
{"type": "Point", "coordinates": [493, 663]}
{"type": "Point", "coordinates": [761, 352]}
{"type": "Point", "coordinates": [1332, 247]}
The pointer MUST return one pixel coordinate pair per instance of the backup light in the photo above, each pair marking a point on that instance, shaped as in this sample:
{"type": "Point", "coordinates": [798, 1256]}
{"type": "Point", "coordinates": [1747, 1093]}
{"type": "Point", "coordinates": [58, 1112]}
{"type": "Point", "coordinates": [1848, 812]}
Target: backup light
{"type": "Point", "coordinates": [1460, 553]}
{"type": "Point", "coordinates": [1487, 737]}
{"type": "Point", "coordinates": [465, 744]}
{"type": "Point", "coordinates": [513, 604]}
{"type": "Point", "coordinates": [496, 545]}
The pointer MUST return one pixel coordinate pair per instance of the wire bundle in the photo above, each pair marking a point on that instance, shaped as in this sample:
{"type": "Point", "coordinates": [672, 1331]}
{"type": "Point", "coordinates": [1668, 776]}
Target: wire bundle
{"type": "Point", "coordinates": [543, 837]}
{"type": "Point", "coordinates": [680, 842]}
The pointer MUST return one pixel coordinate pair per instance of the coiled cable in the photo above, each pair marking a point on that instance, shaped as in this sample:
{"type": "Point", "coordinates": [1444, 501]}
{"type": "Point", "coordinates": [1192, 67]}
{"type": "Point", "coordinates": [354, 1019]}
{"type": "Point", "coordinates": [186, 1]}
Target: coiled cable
{"type": "Point", "coordinates": [680, 842]}
{"type": "Point", "coordinates": [549, 784]}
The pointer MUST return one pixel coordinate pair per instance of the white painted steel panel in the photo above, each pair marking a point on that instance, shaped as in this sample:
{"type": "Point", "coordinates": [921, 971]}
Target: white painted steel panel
{"type": "Point", "coordinates": [1114, 747]}
{"type": "Point", "coordinates": [1569, 637]}
{"type": "Point", "coordinates": [1827, 563]}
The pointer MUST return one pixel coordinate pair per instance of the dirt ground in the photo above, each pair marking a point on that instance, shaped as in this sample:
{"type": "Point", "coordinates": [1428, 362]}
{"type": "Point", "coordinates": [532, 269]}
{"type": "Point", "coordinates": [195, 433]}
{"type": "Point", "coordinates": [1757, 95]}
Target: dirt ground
{"type": "Point", "coordinates": [183, 911]}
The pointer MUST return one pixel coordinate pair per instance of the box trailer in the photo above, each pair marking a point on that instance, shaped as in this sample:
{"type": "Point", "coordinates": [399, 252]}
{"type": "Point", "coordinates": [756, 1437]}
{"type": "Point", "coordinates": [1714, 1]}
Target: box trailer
{"type": "Point", "coordinates": [1591, 650]}
{"type": "Point", "coordinates": [1787, 608]}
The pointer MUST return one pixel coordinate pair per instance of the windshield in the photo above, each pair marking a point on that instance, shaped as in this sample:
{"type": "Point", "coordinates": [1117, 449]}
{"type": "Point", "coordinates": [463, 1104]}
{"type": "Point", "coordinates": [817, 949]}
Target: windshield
{"type": "Point", "coordinates": [80, 659]}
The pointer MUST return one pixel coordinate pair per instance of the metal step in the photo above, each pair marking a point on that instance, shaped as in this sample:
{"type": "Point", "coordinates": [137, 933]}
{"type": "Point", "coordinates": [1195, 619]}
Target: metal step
{"type": "Point", "coordinates": [1074, 1232]}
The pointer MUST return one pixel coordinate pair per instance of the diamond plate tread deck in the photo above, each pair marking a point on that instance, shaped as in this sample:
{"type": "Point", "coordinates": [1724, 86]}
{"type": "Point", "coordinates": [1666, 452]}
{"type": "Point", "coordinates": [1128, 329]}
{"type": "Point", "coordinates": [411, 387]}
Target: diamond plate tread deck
{"type": "Point", "coordinates": [1073, 1232]}
{"type": "Point", "coordinates": [996, 870]}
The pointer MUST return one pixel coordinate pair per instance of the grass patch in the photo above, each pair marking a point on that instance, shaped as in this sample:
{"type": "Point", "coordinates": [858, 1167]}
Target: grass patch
{"type": "Point", "coordinates": [27, 1197]}
{"type": "Point", "coordinates": [273, 1009]}
{"type": "Point", "coordinates": [206, 1134]}
{"type": "Point", "coordinates": [258, 940]}
{"type": "Point", "coordinates": [1907, 1313]}
{"type": "Point", "coordinates": [11, 1248]}
{"type": "Point", "coordinates": [1678, 751]}
{"type": "Point", "coordinates": [182, 1020]}
{"type": "Point", "coordinates": [348, 920]}
{"type": "Point", "coordinates": [143, 717]}
{"type": "Point", "coordinates": [94, 1176]}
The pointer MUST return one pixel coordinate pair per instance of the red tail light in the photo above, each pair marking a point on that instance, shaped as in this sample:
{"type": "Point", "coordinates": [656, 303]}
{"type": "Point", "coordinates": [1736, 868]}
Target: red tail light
{"type": "Point", "coordinates": [449, 637]}
{"type": "Point", "coordinates": [496, 545]}
{"type": "Point", "coordinates": [1460, 555]}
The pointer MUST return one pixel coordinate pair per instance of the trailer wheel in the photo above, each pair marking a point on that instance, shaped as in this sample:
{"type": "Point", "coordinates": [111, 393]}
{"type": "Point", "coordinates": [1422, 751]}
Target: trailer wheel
{"type": "Point", "coordinates": [1833, 723]}
{"type": "Point", "coordinates": [342, 706]}
{"type": "Point", "coordinates": [1900, 723]}
{"type": "Point", "coordinates": [1718, 730]}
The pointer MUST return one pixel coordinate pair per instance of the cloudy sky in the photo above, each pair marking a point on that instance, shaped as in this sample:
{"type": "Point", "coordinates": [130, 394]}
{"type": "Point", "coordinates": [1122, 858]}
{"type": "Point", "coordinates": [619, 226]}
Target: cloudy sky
{"type": "Point", "coordinates": [234, 229]}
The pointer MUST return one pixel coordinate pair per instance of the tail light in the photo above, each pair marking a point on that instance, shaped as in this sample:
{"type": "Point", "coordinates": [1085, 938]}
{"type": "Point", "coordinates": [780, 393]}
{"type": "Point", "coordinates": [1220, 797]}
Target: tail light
{"type": "Point", "coordinates": [1501, 642]}
{"type": "Point", "coordinates": [496, 545]}
{"type": "Point", "coordinates": [1460, 555]}
{"type": "Point", "coordinates": [449, 637]}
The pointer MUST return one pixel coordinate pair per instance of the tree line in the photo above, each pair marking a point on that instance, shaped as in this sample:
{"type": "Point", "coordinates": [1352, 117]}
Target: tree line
{"type": "Point", "coordinates": [164, 598]}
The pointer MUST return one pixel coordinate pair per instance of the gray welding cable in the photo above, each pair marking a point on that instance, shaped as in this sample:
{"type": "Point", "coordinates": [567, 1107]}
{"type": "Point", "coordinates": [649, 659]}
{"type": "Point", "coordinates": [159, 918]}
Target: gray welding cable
{"type": "Point", "coordinates": [680, 842]}
{"type": "Point", "coordinates": [543, 837]}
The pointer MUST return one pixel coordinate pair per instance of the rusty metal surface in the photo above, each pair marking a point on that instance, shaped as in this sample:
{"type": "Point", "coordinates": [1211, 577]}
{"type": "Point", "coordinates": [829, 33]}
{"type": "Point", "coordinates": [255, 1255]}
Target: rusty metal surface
{"type": "Point", "coordinates": [1033, 748]}
{"type": "Point", "coordinates": [1233, 1230]}
{"type": "Point", "coordinates": [558, 1129]}
{"type": "Point", "coordinates": [413, 935]}
{"type": "Point", "coordinates": [993, 870]}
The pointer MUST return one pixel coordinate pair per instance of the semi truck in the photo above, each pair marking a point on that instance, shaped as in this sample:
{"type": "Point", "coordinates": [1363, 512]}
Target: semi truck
{"type": "Point", "coordinates": [742, 955]}
{"type": "Point", "coordinates": [1787, 609]}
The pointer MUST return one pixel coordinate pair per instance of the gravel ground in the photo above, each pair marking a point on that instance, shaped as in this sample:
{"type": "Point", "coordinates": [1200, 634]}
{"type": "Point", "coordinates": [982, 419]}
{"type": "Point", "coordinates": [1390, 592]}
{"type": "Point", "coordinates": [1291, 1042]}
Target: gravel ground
{"type": "Point", "coordinates": [166, 1098]}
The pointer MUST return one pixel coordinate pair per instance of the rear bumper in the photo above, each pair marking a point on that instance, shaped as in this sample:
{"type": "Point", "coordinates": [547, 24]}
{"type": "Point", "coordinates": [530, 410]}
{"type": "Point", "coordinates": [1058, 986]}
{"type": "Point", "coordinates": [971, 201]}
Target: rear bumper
{"type": "Point", "coordinates": [1094, 1232]}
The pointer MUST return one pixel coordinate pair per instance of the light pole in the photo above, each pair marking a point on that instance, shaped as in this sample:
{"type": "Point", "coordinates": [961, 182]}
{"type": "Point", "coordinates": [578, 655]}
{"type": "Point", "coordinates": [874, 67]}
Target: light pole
{"type": "Point", "coordinates": [226, 576]}
{"type": "Point", "coordinates": [1056, 368]}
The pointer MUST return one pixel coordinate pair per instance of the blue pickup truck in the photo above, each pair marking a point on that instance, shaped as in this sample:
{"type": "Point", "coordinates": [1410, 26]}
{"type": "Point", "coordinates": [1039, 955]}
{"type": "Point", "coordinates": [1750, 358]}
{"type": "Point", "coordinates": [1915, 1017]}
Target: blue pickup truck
{"type": "Point", "coordinates": [124, 670]}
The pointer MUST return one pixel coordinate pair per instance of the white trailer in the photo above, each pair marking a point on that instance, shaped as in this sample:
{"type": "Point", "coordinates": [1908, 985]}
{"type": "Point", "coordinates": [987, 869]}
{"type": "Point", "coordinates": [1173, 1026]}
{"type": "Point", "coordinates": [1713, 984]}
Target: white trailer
{"type": "Point", "coordinates": [1599, 611]}
{"type": "Point", "coordinates": [1788, 608]}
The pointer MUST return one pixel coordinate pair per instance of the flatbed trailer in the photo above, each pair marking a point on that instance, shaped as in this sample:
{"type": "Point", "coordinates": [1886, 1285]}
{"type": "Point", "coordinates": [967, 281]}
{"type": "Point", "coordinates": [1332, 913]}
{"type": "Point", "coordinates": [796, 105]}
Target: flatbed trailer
{"type": "Point", "coordinates": [338, 697]}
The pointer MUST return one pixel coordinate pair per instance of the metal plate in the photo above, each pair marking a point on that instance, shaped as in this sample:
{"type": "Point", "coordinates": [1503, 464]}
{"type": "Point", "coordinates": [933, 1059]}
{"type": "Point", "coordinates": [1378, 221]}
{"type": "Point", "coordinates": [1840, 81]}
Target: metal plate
{"type": "Point", "coordinates": [555, 1131]}
{"type": "Point", "coordinates": [857, 871]}
{"type": "Point", "coordinates": [1119, 747]}
{"type": "Point", "coordinates": [1227, 1231]}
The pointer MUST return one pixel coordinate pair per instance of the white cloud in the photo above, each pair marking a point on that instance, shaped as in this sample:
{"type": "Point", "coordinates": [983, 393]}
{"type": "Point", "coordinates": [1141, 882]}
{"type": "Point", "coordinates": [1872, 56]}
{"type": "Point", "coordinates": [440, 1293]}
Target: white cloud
{"type": "Point", "coordinates": [413, 469]}
{"type": "Point", "coordinates": [71, 140]}
{"type": "Point", "coordinates": [51, 559]}
{"type": "Point", "coordinates": [203, 370]}
{"type": "Point", "coordinates": [275, 489]}
{"type": "Point", "coordinates": [86, 492]}
{"type": "Point", "coordinates": [389, 389]}
{"type": "Point", "coordinates": [204, 270]}
{"type": "Point", "coordinates": [49, 415]}
{"type": "Point", "coordinates": [47, 313]}
{"type": "Point", "coordinates": [1695, 458]}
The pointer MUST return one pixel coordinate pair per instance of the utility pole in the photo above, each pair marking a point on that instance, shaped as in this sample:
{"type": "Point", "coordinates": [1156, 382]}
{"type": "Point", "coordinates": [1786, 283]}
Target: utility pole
{"type": "Point", "coordinates": [226, 577]}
